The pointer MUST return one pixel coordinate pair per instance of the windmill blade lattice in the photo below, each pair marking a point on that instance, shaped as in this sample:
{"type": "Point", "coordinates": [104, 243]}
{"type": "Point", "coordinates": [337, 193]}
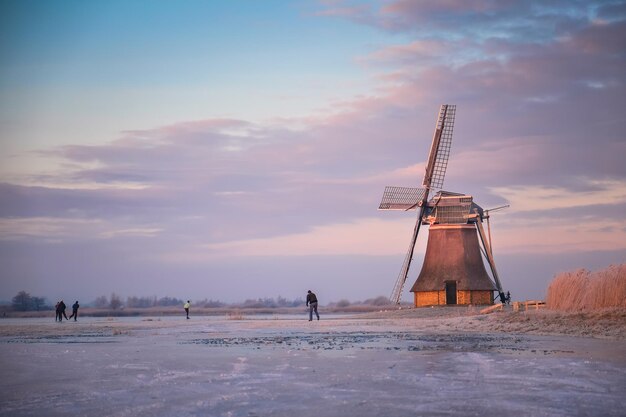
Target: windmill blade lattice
{"type": "Point", "coordinates": [401, 198]}
{"type": "Point", "coordinates": [440, 148]}
{"type": "Point", "coordinates": [396, 293]}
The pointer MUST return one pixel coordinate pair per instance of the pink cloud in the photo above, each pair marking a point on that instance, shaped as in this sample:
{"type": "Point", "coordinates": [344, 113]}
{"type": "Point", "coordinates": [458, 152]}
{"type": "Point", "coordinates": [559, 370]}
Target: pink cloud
{"type": "Point", "coordinates": [417, 52]}
{"type": "Point", "coordinates": [426, 8]}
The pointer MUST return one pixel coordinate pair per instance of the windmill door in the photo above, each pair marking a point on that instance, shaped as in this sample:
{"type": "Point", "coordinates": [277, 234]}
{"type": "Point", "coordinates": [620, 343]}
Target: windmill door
{"type": "Point", "coordinates": [450, 292]}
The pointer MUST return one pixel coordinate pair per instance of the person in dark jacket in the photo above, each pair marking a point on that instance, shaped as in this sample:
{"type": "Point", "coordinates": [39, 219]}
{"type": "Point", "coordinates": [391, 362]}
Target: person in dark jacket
{"type": "Point", "coordinates": [62, 308]}
{"type": "Point", "coordinates": [75, 310]}
{"type": "Point", "coordinates": [311, 301]}
{"type": "Point", "coordinates": [57, 312]}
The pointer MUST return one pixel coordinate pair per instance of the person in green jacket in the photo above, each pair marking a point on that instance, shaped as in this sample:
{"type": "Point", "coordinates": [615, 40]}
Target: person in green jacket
{"type": "Point", "coordinates": [186, 307]}
{"type": "Point", "coordinates": [311, 302]}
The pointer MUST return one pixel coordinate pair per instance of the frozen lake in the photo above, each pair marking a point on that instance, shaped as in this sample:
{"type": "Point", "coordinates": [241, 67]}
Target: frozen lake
{"type": "Point", "coordinates": [286, 366]}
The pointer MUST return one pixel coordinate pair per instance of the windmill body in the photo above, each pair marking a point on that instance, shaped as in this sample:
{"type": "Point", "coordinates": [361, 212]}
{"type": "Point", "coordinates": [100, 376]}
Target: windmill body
{"type": "Point", "coordinates": [453, 271]}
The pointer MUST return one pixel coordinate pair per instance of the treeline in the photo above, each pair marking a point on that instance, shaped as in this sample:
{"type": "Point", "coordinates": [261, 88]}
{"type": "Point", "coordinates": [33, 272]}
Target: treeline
{"type": "Point", "coordinates": [115, 302]}
{"type": "Point", "coordinates": [23, 301]}
{"type": "Point", "coordinates": [270, 303]}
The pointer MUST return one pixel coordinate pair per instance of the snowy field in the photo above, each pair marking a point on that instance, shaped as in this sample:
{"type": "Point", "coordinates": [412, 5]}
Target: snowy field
{"type": "Point", "coordinates": [287, 366]}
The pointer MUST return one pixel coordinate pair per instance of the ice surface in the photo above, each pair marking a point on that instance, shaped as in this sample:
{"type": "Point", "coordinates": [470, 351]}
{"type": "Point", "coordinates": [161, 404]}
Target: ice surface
{"type": "Point", "coordinates": [288, 367]}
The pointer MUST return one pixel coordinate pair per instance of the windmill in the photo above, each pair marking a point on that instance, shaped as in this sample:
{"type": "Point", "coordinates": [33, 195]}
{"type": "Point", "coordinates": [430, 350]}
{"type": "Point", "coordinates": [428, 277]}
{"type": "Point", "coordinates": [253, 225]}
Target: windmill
{"type": "Point", "coordinates": [453, 271]}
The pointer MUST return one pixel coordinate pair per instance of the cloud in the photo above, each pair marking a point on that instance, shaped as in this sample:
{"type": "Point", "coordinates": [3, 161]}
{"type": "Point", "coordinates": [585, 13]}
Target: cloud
{"type": "Point", "coordinates": [368, 236]}
{"type": "Point", "coordinates": [56, 230]}
{"type": "Point", "coordinates": [363, 236]}
{"type": "Point", "coordinates": [456, 19]}
{"type": "Point", "coordinates": [542, 235]}
{"type": "Point", "coordinates": [417, 52]}
{"type": "Point", "coordinates": [542, 198]}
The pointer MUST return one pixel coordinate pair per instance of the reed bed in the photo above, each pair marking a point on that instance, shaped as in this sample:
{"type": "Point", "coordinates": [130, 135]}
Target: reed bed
{"type": "Point", "coordinates": [582, 289]}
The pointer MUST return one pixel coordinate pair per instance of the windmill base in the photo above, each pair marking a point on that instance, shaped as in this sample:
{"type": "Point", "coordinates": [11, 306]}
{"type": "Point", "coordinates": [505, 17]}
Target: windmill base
{"type": "Point", "coordinates": [430, 298]}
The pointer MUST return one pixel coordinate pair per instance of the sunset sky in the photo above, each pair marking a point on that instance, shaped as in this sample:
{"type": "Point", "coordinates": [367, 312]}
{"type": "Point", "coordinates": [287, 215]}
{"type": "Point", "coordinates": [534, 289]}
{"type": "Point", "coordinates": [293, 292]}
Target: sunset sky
{"type": "Point", "coordinates": [239, 149]}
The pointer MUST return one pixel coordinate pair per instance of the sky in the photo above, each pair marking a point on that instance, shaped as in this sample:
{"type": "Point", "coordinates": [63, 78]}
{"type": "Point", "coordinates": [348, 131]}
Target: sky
{"type": "Point", "coordinates": [232, 150]}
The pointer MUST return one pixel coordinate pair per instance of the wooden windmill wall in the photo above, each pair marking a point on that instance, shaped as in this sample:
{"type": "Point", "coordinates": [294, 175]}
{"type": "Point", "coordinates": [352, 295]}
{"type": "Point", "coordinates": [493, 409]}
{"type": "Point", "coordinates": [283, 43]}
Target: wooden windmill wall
{"type": "Point", "coordinates": [453, 271]}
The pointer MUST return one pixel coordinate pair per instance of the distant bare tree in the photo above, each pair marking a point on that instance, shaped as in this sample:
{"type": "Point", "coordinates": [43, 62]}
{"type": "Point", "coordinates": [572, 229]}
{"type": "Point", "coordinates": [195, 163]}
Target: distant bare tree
{"type": "Point", "coordinates": [297, 302]}
{"type": "Point", "coordinates": [101, 302]}
{"type": "Point", "coordinates": [252, 303]}
{"type": "Point", "coordinates": [22, 301]}
{"type": "Point", "coordinates": [140, 302]}
{"type": "Point", "coordinates": [115, 301]}
{"type": "Point", "coordinates": [38, 303]}
{"type": "Point", "coordinates": [169, 301]}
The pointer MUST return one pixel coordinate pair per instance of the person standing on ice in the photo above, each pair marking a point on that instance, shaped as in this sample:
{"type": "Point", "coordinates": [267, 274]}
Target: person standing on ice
{"type": "Point", "coordinates": [57, 309]}
{"type": "Point", "coordinates": [62, 308]}
{"type": "Point", "coordinates": [186, 307]}
{"type": "Point", "coordinates": [74, 310]}
{"type": "Point", "coordinates": [311, 301]}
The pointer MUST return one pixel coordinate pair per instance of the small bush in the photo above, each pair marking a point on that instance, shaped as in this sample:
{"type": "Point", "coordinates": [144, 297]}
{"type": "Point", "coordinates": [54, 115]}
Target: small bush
{"type": "Point", "coordinates": [585, 290]}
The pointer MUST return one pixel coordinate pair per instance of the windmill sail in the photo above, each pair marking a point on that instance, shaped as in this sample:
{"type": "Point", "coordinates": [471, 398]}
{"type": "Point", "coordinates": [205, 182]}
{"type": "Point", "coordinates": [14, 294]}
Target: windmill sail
{"type": "Point", "coordinates": [440, 148]}
{"type": "Point", "coordinates": [396, 293]}
{"type": "Point", "coordinates": [490, 261]}
{"type": "Point", "coordinates": [400, 198]}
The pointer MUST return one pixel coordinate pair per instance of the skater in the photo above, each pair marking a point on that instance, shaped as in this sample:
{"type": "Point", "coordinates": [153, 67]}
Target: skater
{"type": "Point", "coordinates": [57, 312]}
{"type": "Point", "coordinates": [62, 308]}
{"type": "Point", "coordinates": [311, 301]}
{"type": "Point", "coordinates": [186, 307]}
{"type": "Point", "coordinates": [75, 310]}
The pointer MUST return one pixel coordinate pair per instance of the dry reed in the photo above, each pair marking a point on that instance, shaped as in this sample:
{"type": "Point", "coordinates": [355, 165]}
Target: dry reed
{"type": "Point", "coordinates": [584, 290]}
